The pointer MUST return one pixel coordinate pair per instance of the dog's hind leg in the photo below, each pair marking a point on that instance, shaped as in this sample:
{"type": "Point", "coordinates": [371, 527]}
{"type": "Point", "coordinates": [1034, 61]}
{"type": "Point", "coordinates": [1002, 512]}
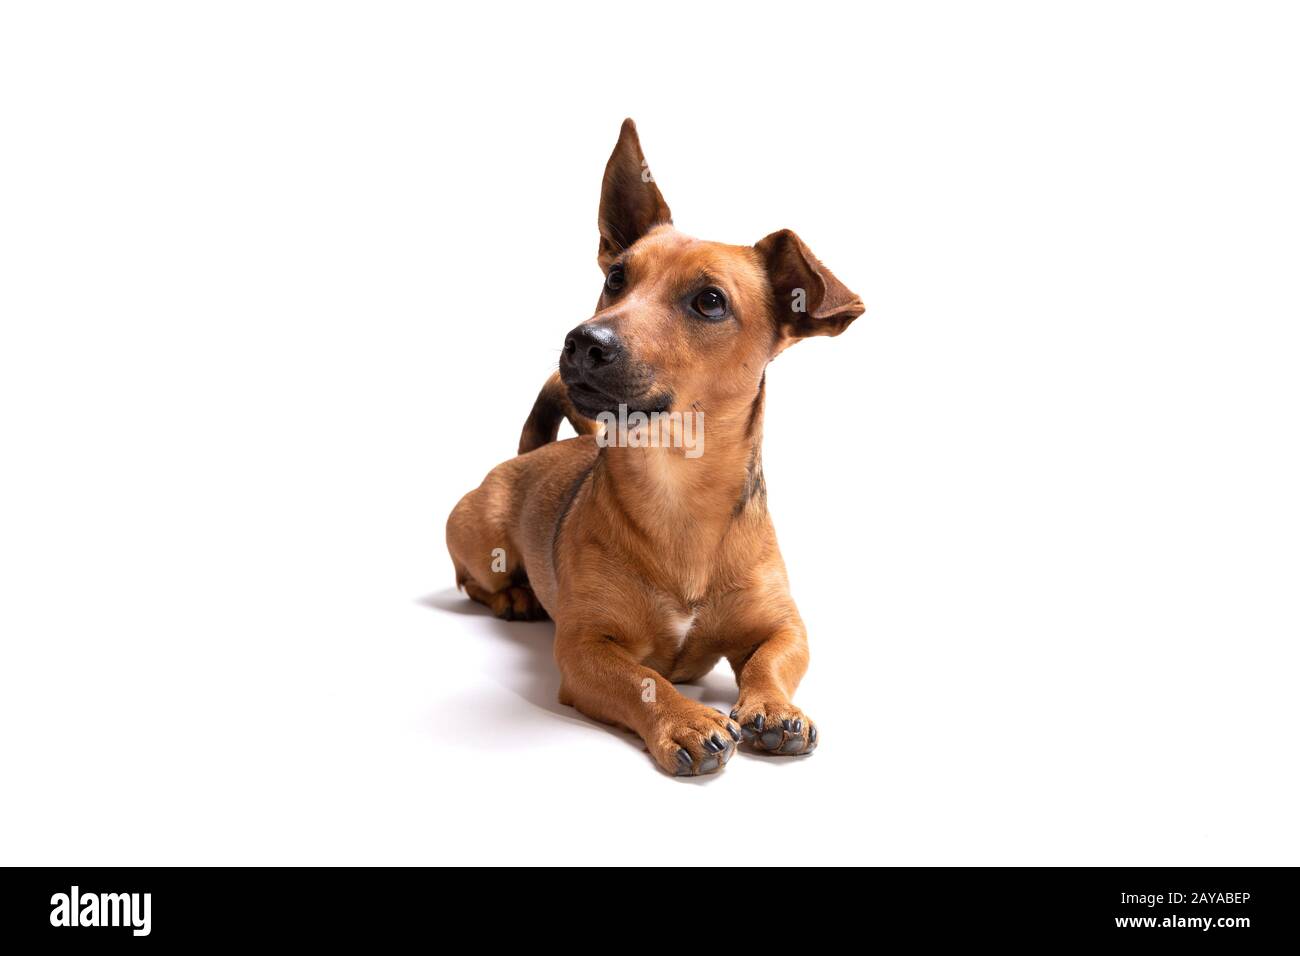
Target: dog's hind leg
{"type": "Point", "coordinates": [514, 603]}
{"type": "Point", "coordinates": [488, 566]}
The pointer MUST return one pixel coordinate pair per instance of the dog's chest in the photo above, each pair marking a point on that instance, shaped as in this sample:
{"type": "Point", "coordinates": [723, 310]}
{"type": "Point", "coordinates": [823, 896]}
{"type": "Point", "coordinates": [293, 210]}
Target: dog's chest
{"type": "Point", "coordinates": [678, 643]}
{"type": "Point", "coordinates": [678, 627]}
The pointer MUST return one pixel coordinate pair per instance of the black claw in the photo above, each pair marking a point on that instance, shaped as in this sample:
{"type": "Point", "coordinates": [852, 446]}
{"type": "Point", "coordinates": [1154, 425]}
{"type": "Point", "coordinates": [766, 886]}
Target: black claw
{"type": "Point", "coordinates": [734, 715]}
{"type": "Point", "coordinates": [684, 758]}
{"type": "Point", "coordinates": [717, 742]}
{"type": "Point", "coordinates": [759, 723]}
{"type": "Point", "coordinates": [788, 725]}
{"type": "Point", "coordinates": [798, 726]}
{"type": "Point", "coordinates": [812, 735]}
{"type": "Point", "coordinates": [735, 734]}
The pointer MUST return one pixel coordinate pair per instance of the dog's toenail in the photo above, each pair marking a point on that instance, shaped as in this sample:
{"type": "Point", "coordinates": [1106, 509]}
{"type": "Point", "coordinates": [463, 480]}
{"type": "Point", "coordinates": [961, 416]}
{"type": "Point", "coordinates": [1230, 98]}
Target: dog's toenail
{"type": "Point", "coordinates": [812, 735]}
{"type": "Point", "coordinates": [788, 725]}
{"type": "Point", "coordinates": [759, 723]}
{"type": "Point", "coordinates": [735, 734]}
{"type": "Point", "coordinates": [798, 726]}
{"type": "Point", "coordinates": [734, 715]}
{"type": "Point", "coordinates": [684, 758]}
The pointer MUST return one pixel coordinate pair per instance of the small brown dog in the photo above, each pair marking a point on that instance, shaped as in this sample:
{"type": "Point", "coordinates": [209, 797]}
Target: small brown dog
{"type": "Point", "coordinates": [653, 551]}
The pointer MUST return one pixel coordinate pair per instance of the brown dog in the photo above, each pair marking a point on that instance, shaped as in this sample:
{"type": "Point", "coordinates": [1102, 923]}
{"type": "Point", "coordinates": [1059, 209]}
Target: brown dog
{"type": "Point", "coordinates": [651, 549]}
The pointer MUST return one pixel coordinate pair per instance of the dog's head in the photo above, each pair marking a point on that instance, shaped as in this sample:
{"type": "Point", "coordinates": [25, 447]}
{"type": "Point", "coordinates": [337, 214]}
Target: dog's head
{"type": "Point", "coordinates": [682, 323]}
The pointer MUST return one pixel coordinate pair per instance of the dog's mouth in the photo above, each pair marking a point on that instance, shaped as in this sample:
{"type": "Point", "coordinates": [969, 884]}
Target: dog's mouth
{"type": "Point", "coordinates": [591, 401]}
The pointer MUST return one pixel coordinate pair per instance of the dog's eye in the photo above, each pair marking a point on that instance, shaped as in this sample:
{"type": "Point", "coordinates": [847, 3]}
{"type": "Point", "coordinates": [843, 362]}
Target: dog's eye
{"type": "Point", "coordinates": [615, 281]}
{"type": "Point", "coordinates": [711, 304]}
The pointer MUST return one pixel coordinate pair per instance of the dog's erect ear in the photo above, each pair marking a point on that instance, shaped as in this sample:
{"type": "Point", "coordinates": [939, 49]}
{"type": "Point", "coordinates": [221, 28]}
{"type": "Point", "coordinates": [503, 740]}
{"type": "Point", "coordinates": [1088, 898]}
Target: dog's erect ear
{"type": "Point", "coordinates": [630, 202]}
{"type": "Point", "coordinates": [809, 299]}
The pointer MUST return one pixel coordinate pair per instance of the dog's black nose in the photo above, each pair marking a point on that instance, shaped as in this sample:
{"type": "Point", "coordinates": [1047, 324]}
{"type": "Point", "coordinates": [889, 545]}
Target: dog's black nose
{"type": "Point", "coordinates": [591, 347]}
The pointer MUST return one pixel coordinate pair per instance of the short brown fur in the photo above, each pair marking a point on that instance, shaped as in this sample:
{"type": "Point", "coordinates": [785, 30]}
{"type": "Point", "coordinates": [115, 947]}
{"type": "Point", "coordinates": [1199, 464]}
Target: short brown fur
{"type": "Point", "coordinates": [654, 564]}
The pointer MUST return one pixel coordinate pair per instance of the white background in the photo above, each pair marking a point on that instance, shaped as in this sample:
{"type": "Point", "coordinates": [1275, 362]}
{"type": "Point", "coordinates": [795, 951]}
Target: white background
{"type": "Point", "coordinates": [279, 283]}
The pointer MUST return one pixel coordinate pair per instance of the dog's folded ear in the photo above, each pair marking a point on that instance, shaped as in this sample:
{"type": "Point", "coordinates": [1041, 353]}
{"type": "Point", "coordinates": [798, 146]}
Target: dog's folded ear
{"type": "Point", "coordinates": [630, 202]}
{"type": "Point", "coordinates": [809, 299]}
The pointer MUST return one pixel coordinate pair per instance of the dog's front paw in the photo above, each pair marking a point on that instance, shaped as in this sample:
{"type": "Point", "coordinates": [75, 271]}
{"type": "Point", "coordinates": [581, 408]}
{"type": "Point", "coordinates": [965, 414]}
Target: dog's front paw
{"type": "Point", "coordinates": [776, 727]}
{"type": "Point", "coordinates": [693, 741]}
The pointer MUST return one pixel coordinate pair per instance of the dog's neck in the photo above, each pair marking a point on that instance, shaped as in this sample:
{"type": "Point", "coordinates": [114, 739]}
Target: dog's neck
{"type": "Point", "coordinates": [684, 507]}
